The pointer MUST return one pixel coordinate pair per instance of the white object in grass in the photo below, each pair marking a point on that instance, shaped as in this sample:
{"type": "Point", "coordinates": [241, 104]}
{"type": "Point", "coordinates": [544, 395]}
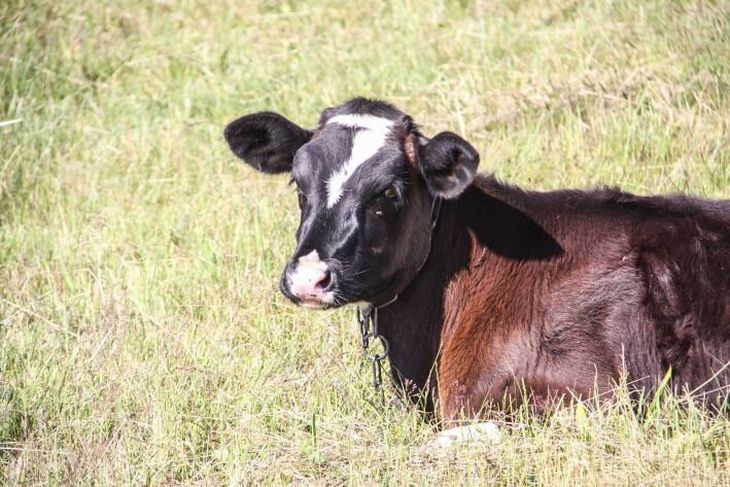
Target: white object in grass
{"type": "Point", "coordinates": [487, 432]}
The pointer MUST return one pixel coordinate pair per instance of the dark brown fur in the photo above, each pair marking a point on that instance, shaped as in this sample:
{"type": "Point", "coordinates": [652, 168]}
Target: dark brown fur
{"type": "Point", "coordinates": [563, 293]}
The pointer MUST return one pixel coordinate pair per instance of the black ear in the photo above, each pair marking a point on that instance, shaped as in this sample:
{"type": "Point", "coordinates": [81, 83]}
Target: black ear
{"type": "Point", "coordinates": [448, 163]}
{"type": "Point", "coordinates": [266, 141]}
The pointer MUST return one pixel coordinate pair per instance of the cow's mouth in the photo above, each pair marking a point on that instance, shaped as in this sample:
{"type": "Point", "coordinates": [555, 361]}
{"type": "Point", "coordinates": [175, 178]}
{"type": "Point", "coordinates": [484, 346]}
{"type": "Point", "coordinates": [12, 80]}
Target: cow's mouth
{"type": "Point", "coordinates": [332, 289]}
{"type": "Point", "coordinates": [313, 304]}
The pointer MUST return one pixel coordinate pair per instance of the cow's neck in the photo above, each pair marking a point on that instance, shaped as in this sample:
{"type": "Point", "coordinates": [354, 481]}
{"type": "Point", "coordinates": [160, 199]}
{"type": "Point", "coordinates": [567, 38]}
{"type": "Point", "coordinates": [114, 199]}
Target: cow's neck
{"type": "Point", "coordinates": [412, 324]}
{"type": "Point", "coordinates": [478, 232]}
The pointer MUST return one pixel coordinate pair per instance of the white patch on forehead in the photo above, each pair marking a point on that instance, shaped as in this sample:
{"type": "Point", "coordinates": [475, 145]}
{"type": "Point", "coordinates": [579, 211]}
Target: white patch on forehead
{"type": "Point", "coordinates": [368, 140]}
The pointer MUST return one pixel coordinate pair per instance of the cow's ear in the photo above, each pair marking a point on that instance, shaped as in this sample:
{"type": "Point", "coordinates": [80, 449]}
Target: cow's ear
{"type": "Point", "coordinates": [448, 163]}
{"type": "Point", "coordinates": [265, 140]}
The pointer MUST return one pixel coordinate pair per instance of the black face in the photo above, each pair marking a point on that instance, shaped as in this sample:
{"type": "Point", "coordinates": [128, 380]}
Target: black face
{"type": "Point", "coordinates": [361, 203]}
{"type": "Point", "coordinates": [365, 182]}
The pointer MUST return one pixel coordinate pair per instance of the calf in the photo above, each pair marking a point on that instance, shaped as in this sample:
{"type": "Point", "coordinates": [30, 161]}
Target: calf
{"type": "Point", "coordinates": [489, 294]}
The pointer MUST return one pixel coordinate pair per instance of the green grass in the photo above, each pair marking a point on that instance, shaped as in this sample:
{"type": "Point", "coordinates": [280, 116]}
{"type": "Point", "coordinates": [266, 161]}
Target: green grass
{"type": "Point", "coordinates": [142, 336]}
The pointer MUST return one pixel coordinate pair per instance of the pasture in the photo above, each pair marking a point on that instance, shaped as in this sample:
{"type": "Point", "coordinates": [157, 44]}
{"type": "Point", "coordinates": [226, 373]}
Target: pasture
{"type": "Point", "coordinates": [143, 340]}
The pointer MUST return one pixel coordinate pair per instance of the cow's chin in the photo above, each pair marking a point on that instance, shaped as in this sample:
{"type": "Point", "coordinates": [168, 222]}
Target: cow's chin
{"type": "Point", "coordinates": [314, 304]}
{"type": "Point", "coordinates": [325, 304]}
{"type": "Point", "coordinates": [328, 302]}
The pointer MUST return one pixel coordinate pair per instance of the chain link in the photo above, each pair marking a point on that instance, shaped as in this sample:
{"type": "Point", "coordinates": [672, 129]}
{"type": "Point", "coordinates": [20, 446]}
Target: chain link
{"type": "Point", "coordinates": [368, 320]}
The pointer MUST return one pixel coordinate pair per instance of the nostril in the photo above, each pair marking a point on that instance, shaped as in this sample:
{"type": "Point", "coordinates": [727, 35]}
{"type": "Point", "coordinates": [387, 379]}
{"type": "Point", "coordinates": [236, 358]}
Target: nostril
{"type": "Point", "coordinates": [325, 281]}
{"type": "Point", "coordinates": [308, 281]}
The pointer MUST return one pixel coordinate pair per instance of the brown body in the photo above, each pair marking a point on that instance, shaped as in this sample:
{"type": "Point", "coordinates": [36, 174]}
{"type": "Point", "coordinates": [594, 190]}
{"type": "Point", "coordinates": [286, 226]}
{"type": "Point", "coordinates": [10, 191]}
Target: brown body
{"type": "Point", "coordinates": [561, 294]}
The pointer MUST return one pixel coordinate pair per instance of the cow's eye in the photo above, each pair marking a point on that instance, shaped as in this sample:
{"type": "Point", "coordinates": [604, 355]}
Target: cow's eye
{"type": "Point", "coordinates": [385, 205]}
{"type": "Point", "coordinates": [391, 193]}
{"type": "Point", "coordinates": [302, 198]}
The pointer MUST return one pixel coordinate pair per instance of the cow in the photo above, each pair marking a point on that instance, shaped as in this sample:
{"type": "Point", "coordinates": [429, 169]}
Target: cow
{"type": "Point", "coordinates": [491, 296]}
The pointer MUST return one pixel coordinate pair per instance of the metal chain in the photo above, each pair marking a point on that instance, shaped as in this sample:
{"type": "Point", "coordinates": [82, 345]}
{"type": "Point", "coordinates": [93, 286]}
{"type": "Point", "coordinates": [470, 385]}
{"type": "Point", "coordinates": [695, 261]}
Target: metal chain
{"type": "Point", "coordinates": [368, 320]}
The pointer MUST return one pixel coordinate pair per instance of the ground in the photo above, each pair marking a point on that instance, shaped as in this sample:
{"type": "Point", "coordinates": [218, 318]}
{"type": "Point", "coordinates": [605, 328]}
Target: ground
{"type": "Point", "coordinates": [142, 337]}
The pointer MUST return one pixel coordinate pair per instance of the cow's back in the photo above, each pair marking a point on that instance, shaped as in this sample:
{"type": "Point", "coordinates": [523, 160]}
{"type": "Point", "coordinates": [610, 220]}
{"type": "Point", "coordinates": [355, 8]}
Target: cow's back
{"type": "Point", "coordinates": [639, 285]}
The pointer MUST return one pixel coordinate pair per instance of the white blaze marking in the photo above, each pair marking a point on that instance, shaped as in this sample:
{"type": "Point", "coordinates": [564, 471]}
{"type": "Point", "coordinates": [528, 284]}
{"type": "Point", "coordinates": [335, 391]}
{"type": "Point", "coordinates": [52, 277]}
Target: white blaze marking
{"type": "Point", "coordinates": [366, 143]}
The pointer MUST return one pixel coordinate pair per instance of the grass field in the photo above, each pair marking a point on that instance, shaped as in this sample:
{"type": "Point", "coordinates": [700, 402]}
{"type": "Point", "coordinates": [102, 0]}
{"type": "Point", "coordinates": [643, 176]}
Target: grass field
{"type": "Point", "coordinates": [143, 340]}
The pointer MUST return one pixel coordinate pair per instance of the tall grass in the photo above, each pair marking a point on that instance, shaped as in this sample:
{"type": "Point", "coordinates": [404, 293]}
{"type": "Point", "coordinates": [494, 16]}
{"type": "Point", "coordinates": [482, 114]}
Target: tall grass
{"type": "Point", "coordinates": [142, 338]}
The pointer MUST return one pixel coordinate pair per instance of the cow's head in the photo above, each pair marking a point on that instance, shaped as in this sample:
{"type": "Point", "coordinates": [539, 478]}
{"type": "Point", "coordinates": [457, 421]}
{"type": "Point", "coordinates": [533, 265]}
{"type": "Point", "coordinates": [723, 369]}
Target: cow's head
{"type": "Point", "coordinates": [366, 180]}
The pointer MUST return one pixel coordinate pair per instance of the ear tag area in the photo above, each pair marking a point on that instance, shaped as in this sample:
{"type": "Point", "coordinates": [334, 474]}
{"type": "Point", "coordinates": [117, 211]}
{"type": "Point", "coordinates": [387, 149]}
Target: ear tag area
{"type": "Point", "coordinates": [409, 148]}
